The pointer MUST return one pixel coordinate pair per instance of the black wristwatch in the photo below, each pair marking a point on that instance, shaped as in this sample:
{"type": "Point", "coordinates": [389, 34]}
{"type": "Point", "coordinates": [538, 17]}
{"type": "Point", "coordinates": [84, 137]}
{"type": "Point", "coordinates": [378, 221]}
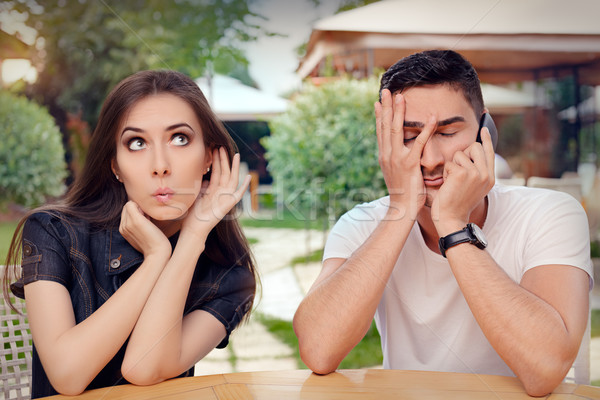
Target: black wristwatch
{"type": "Point", "coordinates": [469, 234]}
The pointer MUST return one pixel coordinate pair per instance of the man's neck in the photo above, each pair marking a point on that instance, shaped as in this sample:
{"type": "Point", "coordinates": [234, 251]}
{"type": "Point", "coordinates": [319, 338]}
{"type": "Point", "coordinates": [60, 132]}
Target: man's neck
{"type": "Point", "coordinates": [429, 232]}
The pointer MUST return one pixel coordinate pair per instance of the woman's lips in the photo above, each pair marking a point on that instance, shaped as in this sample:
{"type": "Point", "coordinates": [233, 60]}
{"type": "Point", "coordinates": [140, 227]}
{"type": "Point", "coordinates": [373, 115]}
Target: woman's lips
{"type": "Point", "coordinates": [163, 195]}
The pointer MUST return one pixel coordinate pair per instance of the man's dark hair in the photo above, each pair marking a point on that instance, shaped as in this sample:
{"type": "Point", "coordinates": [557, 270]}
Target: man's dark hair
{"type": "Point", "coordinates": [435, 67]}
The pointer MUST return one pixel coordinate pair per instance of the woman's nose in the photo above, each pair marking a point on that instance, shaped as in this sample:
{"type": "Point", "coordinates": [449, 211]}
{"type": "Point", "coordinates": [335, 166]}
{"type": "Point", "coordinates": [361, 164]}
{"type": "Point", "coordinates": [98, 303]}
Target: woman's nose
{"type": "Point", "coordinates": [161, 165]}
{"type": "Point", "coordinates": [161, 171]}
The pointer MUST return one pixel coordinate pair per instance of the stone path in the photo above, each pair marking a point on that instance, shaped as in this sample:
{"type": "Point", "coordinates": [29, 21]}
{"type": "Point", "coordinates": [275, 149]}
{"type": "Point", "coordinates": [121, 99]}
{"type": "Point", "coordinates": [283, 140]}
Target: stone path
{"type": "Point", "coordinates": [252, 347]}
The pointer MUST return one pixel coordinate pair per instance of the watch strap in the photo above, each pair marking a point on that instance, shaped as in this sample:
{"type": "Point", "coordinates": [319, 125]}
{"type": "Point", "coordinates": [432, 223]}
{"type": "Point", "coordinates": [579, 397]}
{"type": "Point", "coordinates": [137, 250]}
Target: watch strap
{"type": "Point", "coordinates": [462, 236]}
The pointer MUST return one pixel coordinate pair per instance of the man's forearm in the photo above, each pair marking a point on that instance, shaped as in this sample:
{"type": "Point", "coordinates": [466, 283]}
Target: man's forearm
{"type": "Point", "coordinates": [339, 308]}
{"type": "Point", "coordinates": [536, 329]}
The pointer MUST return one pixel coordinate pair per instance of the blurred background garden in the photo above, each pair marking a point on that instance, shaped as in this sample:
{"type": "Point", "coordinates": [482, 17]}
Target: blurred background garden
{"type": "Point", "coordinates": [294, 82]}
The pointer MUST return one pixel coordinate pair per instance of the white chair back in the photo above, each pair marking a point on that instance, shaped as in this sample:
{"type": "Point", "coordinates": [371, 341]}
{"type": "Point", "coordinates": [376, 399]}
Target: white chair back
{"type": "Point", "coordinates": [15, 353]}
{"type": "Point", "coordinates": [567, 184]}
{"type": "Point", "coordinates": [580, 371]}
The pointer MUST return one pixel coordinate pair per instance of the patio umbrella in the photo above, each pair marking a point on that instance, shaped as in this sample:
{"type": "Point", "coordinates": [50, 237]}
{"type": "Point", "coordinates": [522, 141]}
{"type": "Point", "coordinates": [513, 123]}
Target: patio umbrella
{"type": "Point", "coordinates": [231, 100]}
{"type": "Point", "coordinates": [501, 100]}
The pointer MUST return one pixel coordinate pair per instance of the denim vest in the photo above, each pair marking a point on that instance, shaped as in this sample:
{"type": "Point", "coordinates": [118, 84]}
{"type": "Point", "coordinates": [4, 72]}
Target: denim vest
{"type": "Point", "coordinates": [92, 264]}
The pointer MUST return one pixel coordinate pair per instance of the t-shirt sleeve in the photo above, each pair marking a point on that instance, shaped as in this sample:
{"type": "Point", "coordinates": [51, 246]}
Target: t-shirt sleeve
{"type": "Point", "coordinates": [561, 236]}
{"type": "Point", "coordinates": [45, 249]}
{"type": "Point", "coordinates": [353, 229]}
{"type": "Point", "coordinates": [230, 298]}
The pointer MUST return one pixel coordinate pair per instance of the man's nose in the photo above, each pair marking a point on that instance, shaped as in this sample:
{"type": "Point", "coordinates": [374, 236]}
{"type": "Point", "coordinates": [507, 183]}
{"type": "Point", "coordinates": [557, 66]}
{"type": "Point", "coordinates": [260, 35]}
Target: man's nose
{"type": "Point", "coordinates": [432, 154]}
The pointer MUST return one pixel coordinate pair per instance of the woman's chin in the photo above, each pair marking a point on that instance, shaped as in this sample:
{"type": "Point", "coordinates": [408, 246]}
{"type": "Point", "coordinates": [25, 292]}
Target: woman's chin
{"type": "Point", "coordinates": [170, 212]}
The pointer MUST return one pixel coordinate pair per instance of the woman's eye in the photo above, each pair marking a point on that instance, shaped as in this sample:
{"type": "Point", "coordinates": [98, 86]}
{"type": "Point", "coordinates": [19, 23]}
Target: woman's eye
{"type": "Point", "coordinates": [136, 144]}
{"type": "Point", "coordinates": [180, 139]}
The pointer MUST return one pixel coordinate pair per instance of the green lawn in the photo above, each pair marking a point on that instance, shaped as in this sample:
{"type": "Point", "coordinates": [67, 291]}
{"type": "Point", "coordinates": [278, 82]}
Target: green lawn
{"type": "Point", "coordinates": [6, 231]}
{"type": "Point", "coordinates": [366, 354]}
{"type": "Point", "coordinates": [595, 323]}
{"type": "Point", "coordinates": [286, 219]}
{"type": "Point", "coordinates": [315, 256]}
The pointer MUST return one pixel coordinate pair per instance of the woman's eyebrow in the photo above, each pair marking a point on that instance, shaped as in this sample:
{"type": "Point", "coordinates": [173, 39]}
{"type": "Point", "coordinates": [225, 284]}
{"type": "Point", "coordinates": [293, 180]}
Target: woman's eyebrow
{"type": "Point", "coordinates": [169, 128]}
{"type": "Point", "coordinates": [444, 122]}
{"type": "Point", "coordinates": [131, 128]}
{"type": "Point", "coordinates": [179, 125]}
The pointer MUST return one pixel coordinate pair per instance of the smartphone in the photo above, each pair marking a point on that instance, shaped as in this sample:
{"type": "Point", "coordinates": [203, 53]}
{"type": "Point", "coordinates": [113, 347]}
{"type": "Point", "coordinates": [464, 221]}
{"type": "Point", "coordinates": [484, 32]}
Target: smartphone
{"type": "Point", "coordinates": [487, 121]}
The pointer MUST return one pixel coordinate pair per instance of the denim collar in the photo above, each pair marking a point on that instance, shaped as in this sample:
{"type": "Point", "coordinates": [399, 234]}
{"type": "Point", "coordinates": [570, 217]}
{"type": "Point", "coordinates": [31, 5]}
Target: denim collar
{"type": "Point", "coordinates": [120, 256]}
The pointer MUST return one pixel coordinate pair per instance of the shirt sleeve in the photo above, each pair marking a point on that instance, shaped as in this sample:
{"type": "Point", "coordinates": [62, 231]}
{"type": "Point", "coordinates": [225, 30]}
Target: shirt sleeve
{"type": "Point", "coordinates": [561, 235]}
{"type": "Point", "coordinates": [354, 228]}
{"type": "Point", "coordinates": [228, 298]}
{"type": "Point", "coordinates": [45, 250]}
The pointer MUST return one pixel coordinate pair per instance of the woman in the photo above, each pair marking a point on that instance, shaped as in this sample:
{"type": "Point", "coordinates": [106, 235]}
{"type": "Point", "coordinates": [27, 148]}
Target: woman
{"type": "Point", "coordinates": [141, 270]}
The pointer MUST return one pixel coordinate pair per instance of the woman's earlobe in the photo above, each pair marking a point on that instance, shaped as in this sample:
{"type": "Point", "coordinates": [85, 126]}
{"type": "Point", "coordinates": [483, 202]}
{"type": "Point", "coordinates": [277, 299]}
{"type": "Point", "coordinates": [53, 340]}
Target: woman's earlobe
{"type": "Point", "coordinates": [114, 170]}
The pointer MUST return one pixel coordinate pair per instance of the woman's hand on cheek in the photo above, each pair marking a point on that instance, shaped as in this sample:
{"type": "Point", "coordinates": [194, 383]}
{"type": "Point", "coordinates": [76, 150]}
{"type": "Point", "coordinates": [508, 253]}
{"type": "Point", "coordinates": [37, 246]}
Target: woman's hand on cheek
{"type": "Point", "coordinates": [141, 233]}
{"type": "Point", "coordinates": [220, 196]}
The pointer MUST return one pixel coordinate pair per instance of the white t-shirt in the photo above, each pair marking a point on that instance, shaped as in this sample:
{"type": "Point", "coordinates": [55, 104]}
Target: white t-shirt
{"type": "Point", "coordinates": [423, 318]}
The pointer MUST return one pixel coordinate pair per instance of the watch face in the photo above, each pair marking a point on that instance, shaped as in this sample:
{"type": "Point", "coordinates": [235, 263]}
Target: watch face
{"type": "Point", "coordinates": [478, 234]}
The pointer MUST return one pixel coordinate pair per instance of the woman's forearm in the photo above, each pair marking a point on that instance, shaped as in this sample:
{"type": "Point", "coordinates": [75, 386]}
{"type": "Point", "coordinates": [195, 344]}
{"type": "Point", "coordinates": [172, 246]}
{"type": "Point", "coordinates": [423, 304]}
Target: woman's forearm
{"type": "Point", "coordinates": [73, 354]}
{"type": "Point", "coordinates": [154, 352]}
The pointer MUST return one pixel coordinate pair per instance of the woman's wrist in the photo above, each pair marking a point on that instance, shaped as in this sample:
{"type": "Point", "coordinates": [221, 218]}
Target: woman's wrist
{"type": "Point", "coordinates": [160, 255]}
{"type": "Point", "coordinates": [193, 238]}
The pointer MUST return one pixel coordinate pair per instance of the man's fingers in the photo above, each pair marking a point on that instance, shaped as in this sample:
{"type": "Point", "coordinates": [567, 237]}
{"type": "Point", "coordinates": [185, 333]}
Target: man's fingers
{"type": "Point", "coordinates": [386, 120]}
{"type": "Point", "coordinates": [424, 136]}
{"type": "Point", "coordinates": [488, 149]}
{"type": "Point", "coordinates": [462, 159]}
{"type": "Point", "coordinates": [476, 155]}
{"type": "Point", "coordinates": [397, 134]}
{"type": "Point", "coordinates": [483, 154]}
{"type": "Point", "coordinates": [378, 127]}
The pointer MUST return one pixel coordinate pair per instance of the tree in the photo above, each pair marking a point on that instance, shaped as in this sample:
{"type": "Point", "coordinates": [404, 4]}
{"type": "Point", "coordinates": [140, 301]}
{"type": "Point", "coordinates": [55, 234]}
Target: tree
{"type": "Point", "coordinates": [323, 150]}
{"type": "Point", "coordinates": [32, 164]}
{"type": "Point", "coordinates": [83, 48]}
{"type": "Point", "coordinates": [345, 5]}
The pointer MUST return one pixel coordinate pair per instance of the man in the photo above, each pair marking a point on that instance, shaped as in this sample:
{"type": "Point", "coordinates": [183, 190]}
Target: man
{"type": "Point", "coordinates": [516, 305]}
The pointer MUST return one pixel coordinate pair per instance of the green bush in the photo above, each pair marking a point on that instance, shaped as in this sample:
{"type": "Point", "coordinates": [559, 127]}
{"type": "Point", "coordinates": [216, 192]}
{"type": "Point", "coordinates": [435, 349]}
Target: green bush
{"type": "Point", "coordinates": [32, 157]}
{"type": "Point", "coordinates": [322, 151]}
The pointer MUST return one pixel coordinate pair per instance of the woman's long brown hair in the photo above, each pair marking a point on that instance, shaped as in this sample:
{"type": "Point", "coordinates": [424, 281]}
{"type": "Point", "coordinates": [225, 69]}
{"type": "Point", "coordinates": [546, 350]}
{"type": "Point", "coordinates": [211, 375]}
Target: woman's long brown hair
{"type": "Point", "coordinates": [97, 197]}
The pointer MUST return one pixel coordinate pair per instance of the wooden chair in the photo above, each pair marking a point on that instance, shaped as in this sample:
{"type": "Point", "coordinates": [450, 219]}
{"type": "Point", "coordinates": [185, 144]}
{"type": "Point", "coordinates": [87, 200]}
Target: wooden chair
{"type": "Point", "coordinates": [15, 353]}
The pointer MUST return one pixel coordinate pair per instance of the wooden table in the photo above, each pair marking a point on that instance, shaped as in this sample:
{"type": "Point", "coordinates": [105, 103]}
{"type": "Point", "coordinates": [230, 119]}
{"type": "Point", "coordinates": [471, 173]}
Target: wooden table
{"type": "Point", "coordinates": [344, 384]}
